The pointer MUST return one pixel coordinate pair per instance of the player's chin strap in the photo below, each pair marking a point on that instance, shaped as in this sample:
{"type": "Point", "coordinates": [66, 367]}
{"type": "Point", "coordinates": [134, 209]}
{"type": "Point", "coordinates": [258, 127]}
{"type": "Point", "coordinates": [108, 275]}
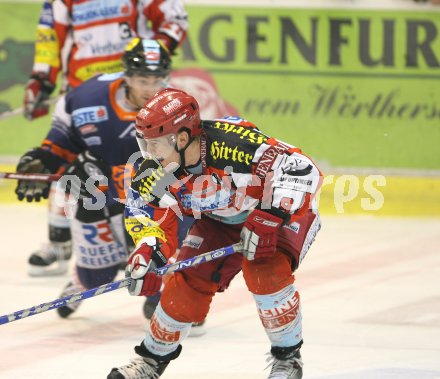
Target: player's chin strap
{"type": "Point", "coordinates": [182, 152]}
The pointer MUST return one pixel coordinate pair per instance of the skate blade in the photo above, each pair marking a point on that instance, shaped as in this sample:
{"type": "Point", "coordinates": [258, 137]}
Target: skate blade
{"type": "Point", "coordinates": [38, 271]}
{"type": "Point", "coordinates": [197, 331]}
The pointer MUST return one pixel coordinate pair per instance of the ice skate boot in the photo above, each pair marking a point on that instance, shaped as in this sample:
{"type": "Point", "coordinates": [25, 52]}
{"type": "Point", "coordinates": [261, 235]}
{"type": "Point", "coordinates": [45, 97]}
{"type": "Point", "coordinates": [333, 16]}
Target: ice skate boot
{"type": "Point", "coordinates": [52, 259]}
{"type": "Point", "coordinates": [68, 309]}
{"type": "Point", "coordinates": [286, 363]}
{"type": "Point", "coordinates": [146, 366]}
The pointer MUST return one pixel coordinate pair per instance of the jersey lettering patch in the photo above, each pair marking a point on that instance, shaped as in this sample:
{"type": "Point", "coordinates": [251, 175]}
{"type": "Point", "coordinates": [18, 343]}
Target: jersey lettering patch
{"type": "Point", "coordinates": [244, 132]}
{"type": "Point", "coordinates": [294, 227]}
{"type": "Point", "coordinates": [282, 315]}
{"type": "Point", "coordinates": [93, 141]}
{"type": "Point", "coordinates": [294, 183]}
{"type": "Point", "coordinates": [46, 16]}
{"type": "Point", "coordinates": [87, 129]}
{"type": "Point", "coordinates": [267, 160]}
{"type": "Point", "coordinates": [92, 11]}
{"type": "Point", "coordinates": [221, 151]}
{"type": "Point", "coordinates": [89, 115]}
{"type": "Point", "coordinates": [95, 234]}
{"type": "Point", "coordinates": [193, 242]}
{"type": "Point", "coordinates": [219, 200]}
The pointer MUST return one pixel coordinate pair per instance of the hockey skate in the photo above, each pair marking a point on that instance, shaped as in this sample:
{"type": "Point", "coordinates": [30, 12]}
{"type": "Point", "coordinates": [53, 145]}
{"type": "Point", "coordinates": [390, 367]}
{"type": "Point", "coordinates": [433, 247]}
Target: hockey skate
{"type": "Point", "coordinates": [68, 309]}
{"type": "Point", "coordinates": [52, 259]}
{"type": "Point", "coordinates": [150, 305]}
{"type": "Point", "coordinates": [146, 366]}
{"type": "Point", "coordinates": [286, 366]}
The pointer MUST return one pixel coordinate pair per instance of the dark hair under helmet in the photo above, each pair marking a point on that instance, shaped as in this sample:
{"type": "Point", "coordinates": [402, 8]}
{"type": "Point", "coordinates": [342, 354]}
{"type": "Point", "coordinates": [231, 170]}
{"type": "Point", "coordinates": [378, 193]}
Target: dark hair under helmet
{"type": "Point", "coordinates": [145, 57]}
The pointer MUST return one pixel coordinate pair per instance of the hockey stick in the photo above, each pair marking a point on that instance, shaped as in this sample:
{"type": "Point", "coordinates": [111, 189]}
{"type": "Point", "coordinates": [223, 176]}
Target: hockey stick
{"type": "Point", "coordinates": [61, 302]}
{"type": "Point", "coordinates": [35, 177]}
{"type": "Point", "coordinates": [17, 111]}
{"type": "Point", "coordinates": [38, 177]}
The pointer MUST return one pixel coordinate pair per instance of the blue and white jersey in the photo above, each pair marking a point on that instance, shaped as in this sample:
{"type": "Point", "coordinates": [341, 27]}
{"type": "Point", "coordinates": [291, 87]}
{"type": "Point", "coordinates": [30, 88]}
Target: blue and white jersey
{"type": "Point", "coordinates": [89, 118]}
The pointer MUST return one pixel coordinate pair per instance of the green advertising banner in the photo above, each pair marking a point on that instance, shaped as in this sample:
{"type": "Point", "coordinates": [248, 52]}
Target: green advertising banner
{"type": "Point", "coordinates": [17, 36]}
{"type": "Point", "coordinates": [352, 87]}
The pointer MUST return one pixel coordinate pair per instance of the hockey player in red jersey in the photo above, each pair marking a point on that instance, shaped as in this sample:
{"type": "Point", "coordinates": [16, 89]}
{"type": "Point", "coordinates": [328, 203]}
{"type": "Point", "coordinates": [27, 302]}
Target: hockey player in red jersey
{"type": "Point", "coordinates": [93, 132]}
{"type": "Point", "coordinates": [84, 38]}
{"type": "Point", "coordinates": [239, 184]}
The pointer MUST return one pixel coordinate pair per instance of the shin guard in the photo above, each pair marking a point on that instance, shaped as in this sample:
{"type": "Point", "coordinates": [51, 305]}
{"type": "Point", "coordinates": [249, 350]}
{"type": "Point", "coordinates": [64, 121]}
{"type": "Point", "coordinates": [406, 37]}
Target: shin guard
{"type": "Point", "coordinates": [165, 333]}
{"type": "Point", "coordinates": [280, 314]}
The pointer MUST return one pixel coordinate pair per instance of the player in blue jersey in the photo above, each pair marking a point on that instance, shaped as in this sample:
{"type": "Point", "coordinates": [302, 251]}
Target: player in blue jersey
{"type": "Point", "coordinates": [81, 39]}
{"type": "Point", "coordinates": [93, 132]}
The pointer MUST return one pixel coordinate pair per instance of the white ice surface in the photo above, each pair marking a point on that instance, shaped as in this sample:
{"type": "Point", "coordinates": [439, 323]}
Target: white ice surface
{"type": "Point", "coordinates": [370, 290]}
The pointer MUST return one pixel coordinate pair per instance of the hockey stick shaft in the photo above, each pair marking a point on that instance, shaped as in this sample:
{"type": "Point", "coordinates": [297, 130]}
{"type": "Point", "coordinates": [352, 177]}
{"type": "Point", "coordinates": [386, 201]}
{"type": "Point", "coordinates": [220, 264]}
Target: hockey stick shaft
{"type": "Point", "coordinates": [61, 302]}
{"type": "Point", "coordinates": [7, 114]}
{"type": "Point", "coordinates": [20, 111]}
{"type": "Point", "coordinates": [35, 177]}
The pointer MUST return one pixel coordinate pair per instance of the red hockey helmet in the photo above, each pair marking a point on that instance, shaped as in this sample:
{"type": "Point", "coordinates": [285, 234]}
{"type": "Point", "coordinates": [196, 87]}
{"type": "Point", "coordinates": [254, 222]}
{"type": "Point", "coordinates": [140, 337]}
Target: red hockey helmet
{"type": "Point", "coordinates": [168, 112]}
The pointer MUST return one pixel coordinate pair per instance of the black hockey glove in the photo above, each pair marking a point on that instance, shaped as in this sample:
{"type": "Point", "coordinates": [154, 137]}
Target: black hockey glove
{"type": "Point", "coordinates": [36, 161]}
{"type": "Point", "coordinates": [36, 96]}
{"type": "Point", "coordinates": [93, 173]}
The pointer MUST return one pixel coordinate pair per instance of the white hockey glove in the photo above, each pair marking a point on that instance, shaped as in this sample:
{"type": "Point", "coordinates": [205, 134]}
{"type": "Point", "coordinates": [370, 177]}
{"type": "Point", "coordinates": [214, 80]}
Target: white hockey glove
{"type": "Point", "coordinates": [141, 267]}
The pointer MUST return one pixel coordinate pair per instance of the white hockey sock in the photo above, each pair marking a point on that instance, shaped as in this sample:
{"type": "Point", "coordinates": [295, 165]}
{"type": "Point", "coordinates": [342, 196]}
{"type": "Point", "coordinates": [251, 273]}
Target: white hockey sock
{"type": "Point", "coordinates": [165, 333]}
{"type": "Point", "coordinates": [280, 314]}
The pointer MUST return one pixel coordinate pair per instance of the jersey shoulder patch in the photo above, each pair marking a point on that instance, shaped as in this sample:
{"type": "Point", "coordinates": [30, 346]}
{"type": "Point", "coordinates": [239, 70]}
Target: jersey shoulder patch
{"type": "Point", "coordinates": [110, 77]}
{"type": "Point", "coordinates": [151, 181]}
{"type": "Point", "coordinates": [230, 144]}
